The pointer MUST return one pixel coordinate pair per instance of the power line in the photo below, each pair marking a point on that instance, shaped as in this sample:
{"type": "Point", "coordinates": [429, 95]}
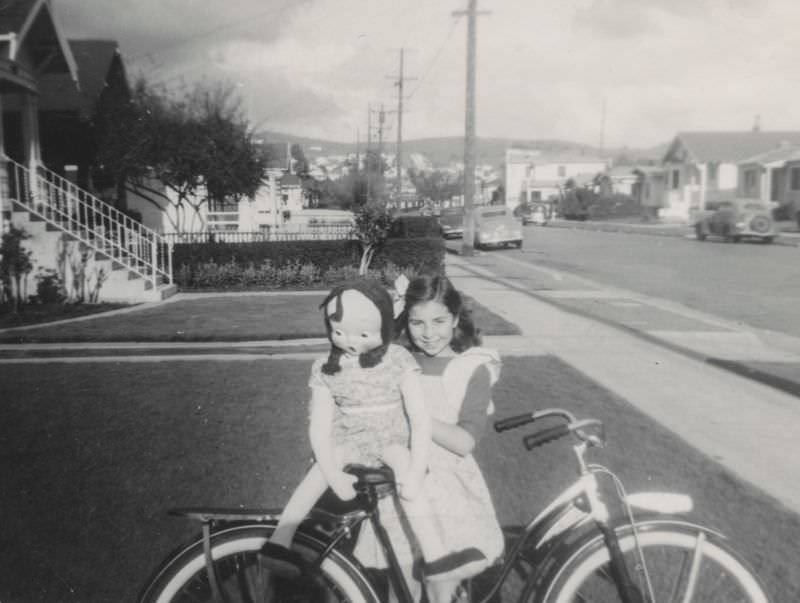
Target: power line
{"type": "Point", "coordinates": [435, 57]}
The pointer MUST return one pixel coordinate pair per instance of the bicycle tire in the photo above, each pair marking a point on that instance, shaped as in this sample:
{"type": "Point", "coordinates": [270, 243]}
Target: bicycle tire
{"type": "Point", "coordinates": [667, 547]}
{"type": "Point", "coordinates": [235, 554]}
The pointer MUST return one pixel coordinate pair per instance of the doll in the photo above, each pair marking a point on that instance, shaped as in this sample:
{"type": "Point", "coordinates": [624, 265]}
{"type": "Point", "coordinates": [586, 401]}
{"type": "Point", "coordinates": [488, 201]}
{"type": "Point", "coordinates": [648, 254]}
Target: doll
{"type": "Point", "coordinates": [367, 407]}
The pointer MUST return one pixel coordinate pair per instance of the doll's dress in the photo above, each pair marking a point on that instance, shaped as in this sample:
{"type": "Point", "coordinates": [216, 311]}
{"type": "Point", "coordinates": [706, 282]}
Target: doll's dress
{"type": "Point", "coordinates": [454, 486]}
{"type": "Point", "coordinates": [369, 414]}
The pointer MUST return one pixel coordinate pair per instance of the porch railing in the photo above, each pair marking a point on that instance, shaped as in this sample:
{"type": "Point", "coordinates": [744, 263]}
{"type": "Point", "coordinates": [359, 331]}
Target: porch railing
{"type": "Point", "coordinates": [90, 220]}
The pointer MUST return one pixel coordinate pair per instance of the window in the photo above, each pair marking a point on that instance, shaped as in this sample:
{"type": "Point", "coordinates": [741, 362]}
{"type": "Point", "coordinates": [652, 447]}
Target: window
{"type": "Point", "coordinates": [713, 171]}
{"type": "Point", "coordinates": [749, 181]}
{"type": "Point", "coordinates": [646, 190]}
{"type": "Point", "coordinates": [676, 178]}
{"type": "Point", "coordinates": [795, 179]}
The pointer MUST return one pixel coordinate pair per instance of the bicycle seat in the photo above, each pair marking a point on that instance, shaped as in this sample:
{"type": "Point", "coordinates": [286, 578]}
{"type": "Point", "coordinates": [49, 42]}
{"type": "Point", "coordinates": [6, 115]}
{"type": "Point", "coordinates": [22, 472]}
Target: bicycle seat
{"type": "Point", "coordinates": [372, 476]}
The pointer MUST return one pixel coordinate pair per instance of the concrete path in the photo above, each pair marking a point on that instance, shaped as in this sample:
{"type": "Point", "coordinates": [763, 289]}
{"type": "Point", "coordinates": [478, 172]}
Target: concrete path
{"type": "Point", "coordinates": [752, 429]}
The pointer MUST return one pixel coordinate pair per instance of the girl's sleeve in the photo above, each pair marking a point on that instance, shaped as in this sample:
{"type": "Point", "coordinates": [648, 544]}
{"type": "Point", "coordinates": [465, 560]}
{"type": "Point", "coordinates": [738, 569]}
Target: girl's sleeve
{"type": "Point", "coordinates": [473, 415]}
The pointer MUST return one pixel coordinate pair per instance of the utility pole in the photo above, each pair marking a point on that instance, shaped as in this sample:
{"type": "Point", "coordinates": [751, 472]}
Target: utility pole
{"type": "Point", "coordinates": [366, 156]}
{"type": "Point", "coordinates": [399, 154]}
{"type": "Point", "coordinates": [469, 130]}
{"type": "Point", "coordinates": [603, 127]}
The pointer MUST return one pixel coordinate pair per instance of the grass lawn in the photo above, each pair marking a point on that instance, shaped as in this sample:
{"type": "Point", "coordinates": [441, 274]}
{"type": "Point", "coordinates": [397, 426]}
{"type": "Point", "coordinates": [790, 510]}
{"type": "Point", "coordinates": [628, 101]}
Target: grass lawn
{"type": "Point", "coordinates": [216, 318]}
{"type": "Point", "coordinates": [94, 454]}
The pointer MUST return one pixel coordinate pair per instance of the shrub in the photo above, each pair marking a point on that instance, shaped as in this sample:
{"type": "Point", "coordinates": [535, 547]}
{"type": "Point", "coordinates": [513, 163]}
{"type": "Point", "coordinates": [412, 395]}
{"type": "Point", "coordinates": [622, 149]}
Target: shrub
{"type": "Point", "coordinates": [413, 227]}
{"type": "Point", "coordinates": [315, 264]}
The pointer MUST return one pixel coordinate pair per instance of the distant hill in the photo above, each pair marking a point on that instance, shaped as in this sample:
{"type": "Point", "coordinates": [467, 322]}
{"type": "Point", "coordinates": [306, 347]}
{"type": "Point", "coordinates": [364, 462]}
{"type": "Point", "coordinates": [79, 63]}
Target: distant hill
{"type": "Point", "coordinates": [444, 150]}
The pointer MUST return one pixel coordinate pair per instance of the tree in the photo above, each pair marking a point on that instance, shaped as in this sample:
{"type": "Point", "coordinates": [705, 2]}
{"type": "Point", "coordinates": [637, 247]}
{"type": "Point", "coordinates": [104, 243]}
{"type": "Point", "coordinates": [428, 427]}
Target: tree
{"type": "Point", "coordinates": [372, 223]}
{"type": "Point", "coordinates": [437, 185]}
{"type": "Point", "coordinates": [197, 147]}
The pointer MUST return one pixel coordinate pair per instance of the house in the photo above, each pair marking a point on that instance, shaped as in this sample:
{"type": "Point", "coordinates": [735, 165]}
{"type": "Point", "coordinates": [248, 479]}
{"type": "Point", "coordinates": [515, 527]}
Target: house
{"type": "Point", "coordinates": [773, 177]}
{"type": "Point", "coordinates": [703, 166]}
{"type": "Point", "coordinates": [532, 175]}
{"type": "Point", "coordinates": [49, 90]}
{"type": "Point", "coordinates": [648, 190]}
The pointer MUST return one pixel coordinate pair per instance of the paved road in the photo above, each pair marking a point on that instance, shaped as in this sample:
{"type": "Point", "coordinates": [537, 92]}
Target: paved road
{"type": "Point", "coordinates": [752, 283]}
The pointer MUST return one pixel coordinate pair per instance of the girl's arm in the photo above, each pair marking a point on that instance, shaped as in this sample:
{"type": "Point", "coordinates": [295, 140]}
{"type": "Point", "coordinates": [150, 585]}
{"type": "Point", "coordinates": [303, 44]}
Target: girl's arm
{"type": "Point", "coordinates": [420, 425]}
{"type": "Point", "coordinates": [320, 433]}
{"type": "Point", "coordinates": [461, 438]}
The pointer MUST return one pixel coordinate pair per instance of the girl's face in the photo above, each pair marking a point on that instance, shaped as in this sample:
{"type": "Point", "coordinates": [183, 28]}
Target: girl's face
{"type": "Point", "coordinates": [430, 327]}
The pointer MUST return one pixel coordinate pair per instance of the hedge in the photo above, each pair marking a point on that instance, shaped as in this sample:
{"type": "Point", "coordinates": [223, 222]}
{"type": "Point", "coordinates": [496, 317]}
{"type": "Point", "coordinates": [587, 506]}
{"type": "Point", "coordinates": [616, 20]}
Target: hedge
{"type": "Point", "coordinates": [298, 264]}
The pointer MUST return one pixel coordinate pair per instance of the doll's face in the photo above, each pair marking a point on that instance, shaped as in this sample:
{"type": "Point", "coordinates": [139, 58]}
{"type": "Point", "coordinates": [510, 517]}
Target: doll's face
{"type": "Point", "coordinates": [359, 330]}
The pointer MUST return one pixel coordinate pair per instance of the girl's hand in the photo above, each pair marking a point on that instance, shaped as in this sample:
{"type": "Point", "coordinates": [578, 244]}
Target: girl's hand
{"type": "Point", "coordinates": [343, 485]}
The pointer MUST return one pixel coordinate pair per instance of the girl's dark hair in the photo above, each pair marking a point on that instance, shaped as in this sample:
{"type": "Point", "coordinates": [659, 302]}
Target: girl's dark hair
{"type": "Point", "coordinates": [438, 288]}
{"type": "Point", "coordinates": [378, 295]}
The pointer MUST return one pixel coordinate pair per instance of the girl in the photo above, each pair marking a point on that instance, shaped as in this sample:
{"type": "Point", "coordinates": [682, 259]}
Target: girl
{"type": "Point", "coordinates": [457, 376]}
{"type": "Point", "coordinates": [364, 398]}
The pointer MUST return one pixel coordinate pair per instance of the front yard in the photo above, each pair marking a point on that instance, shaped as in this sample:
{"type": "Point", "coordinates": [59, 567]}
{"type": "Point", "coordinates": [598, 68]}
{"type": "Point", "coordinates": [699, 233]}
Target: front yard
{"type": "Point", "coordinates": [95, 453]}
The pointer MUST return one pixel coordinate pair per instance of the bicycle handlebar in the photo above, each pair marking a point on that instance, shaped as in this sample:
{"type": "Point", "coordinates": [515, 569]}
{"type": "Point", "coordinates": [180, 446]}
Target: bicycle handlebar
{"type": "Point", "coordinates": [571, 425]}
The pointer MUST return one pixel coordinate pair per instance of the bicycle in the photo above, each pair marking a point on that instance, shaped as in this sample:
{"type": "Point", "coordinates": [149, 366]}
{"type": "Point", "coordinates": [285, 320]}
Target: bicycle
{"type": "Point", "coordinates": [576, 549]}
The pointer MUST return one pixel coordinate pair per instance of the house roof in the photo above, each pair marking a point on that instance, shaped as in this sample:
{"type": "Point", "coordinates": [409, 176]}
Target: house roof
{"type": "Point", "coordinates": [94, 60]}
{"type": "Point", "coordinates": [729, 147]}
{"type": "Point", "coordinates": [779, 156]}
{"type": "Point", "coordinates": [290, 180]}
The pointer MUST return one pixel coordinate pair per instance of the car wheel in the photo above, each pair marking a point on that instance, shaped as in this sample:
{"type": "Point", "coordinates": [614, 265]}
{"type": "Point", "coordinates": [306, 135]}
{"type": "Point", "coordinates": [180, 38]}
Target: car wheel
{"type": "Point", "coordinates": [517, 244]}
{"type": "Point", "coordinates": [699, 232]}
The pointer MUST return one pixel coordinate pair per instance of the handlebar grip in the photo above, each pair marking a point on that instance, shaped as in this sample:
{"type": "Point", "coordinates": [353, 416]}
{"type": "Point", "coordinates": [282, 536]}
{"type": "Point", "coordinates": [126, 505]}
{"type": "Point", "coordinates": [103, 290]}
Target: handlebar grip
{"type": "Point", "coordinates": [512, 422]}
{"type": "Point", "coordinates": [545, 436]}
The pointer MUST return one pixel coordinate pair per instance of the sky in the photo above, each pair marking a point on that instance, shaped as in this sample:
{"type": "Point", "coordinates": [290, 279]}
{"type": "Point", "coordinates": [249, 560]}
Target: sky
{"type": "Point", "coordinates": [608, 73]}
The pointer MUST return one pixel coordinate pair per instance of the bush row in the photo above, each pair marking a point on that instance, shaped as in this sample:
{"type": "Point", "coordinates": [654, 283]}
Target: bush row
{"type": "Point", "coordinates": [298, 264]}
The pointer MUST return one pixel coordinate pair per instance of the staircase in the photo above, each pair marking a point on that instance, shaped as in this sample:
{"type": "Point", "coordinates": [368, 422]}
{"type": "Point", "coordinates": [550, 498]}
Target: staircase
{"type": "Point", "coordinates": [135, 260]}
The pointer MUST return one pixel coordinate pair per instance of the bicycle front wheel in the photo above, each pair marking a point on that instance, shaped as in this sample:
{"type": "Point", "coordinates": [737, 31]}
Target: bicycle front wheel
{"type": "Point", "coordinates": [240, 576]}
{"type": "Point", "coordinates": [683, 563]}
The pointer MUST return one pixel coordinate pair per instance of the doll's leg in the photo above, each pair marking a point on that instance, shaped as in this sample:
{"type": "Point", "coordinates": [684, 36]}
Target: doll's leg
{"type": "Point", "coordinates": [277, 554]}
{"type": "Point", "coordinates": [300, 504]}
{"type": "Point", "coordinates": [441, 565]}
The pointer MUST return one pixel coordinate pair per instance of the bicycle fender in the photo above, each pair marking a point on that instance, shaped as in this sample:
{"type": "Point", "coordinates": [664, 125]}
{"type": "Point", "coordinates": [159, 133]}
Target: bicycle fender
{"type": "Point", "coordinates": [665, 503]}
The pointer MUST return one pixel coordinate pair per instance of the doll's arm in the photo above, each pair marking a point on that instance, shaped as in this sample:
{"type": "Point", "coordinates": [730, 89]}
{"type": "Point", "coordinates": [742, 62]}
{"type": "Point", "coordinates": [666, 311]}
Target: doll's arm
{"type": "Point", "coordinates": [420, 424]}
{"type": "Point", "coordinates": [320, 432]}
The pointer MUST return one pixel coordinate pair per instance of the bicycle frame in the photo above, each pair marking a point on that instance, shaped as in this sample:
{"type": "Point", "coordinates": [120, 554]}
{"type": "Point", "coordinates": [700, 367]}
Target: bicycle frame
{"type": "Point", "coordinates": [578, 512]}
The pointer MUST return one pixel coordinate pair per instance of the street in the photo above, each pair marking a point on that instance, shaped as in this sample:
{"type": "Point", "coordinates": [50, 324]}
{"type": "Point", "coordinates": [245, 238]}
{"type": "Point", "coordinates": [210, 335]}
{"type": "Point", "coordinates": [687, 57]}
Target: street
{"type": "Point", "coordinates": [751, 283]}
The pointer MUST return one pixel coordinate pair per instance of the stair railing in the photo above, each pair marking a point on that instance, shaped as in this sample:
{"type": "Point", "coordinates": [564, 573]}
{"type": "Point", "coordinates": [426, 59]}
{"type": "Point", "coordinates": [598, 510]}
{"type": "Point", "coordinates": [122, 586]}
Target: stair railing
{"type": "Point", "coordinates": [91, 221]}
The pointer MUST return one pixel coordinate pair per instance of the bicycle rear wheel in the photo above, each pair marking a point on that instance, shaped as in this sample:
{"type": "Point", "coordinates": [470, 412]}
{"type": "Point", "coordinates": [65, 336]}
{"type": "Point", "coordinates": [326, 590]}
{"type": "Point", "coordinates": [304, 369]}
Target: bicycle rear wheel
{"type": "Point", "coordinates": [241, 578]}
{"type": "Point", "coordinates": [680, 558]}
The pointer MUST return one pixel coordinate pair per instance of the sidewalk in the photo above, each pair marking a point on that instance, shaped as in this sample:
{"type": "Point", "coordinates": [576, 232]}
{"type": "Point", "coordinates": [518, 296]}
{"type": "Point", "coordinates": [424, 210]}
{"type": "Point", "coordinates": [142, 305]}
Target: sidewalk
{"type": "Point", "coordinates": [751, 428]}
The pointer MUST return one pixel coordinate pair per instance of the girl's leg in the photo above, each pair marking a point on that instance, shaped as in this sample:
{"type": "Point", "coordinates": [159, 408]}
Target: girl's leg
{"type": "Point", "coordinates": [440, 564]}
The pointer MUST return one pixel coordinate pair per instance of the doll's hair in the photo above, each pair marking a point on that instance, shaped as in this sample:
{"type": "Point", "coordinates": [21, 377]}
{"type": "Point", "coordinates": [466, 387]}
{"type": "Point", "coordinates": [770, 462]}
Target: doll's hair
{"type": "Point", "coordinates": [437, 287]}
{"type": "Point", "coordinates": [378, 295]}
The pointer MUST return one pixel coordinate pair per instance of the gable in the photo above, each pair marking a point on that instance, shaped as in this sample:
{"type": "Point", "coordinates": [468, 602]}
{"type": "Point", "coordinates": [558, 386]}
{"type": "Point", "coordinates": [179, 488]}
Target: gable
{"type": "Point", "coordinates": [38, 40]}
{"type": "Point", "coordinates": [99, 66]}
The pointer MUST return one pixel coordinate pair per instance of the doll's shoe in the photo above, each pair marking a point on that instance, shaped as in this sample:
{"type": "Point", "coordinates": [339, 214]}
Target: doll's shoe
{"type": "Point", "coordinates": [456, 566]}
{"type": "Point", "coordinates": [280, 561]}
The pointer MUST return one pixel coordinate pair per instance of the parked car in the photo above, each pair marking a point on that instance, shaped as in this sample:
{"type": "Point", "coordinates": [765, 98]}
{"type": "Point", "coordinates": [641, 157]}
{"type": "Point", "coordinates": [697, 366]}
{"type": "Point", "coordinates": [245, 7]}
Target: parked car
{"type": "Point", "coordinates": [451, 219]}
{"type": "Point", "coordinates": [497, 225]}
{"type": "Point", "coordinates": [735, 220]}
{"type": "Point", "coordinates": [540, 214]}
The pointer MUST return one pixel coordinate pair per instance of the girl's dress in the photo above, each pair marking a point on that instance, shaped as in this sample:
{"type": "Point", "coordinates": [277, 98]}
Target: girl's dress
{"type": "Point", "coordinates": [454, 487]}
{"type": "Point", "coordinates": [369, 413]}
